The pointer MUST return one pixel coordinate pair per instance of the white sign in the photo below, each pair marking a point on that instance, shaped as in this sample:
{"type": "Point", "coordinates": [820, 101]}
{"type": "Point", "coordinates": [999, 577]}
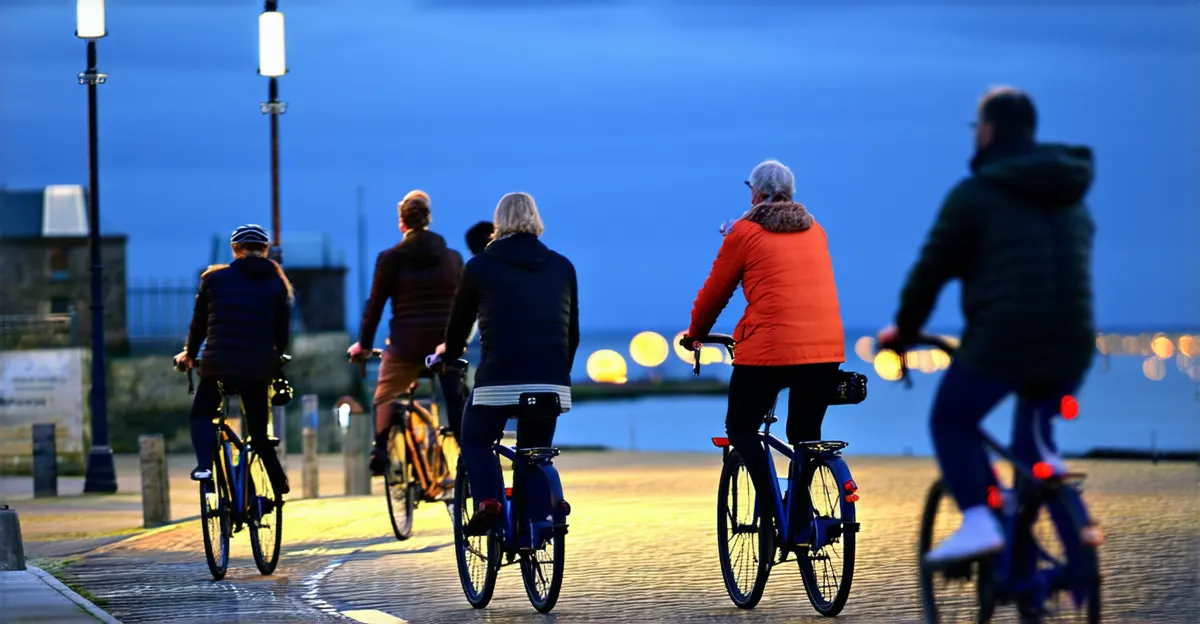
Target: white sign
{"type": "Point", "coordinates": [40, 387]}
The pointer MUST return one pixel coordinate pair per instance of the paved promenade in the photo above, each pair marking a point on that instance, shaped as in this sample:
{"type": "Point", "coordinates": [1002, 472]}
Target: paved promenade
{"type": "Point", "coordinates": [641, 549]}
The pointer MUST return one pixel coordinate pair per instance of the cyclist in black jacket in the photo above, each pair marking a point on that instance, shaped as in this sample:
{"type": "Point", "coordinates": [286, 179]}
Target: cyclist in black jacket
{"type": "Point", "coordinates": [241, 316]}
{"type": "Point", "coordinates": [527, 302]}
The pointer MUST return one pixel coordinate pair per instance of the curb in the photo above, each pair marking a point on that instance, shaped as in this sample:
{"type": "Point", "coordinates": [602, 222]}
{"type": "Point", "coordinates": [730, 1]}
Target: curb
{"type": "Point", "coordinates": [84, 603]}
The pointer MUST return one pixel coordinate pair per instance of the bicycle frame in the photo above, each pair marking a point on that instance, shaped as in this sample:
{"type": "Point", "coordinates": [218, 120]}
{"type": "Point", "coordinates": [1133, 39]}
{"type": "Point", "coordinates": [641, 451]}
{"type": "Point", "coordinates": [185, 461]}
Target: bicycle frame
{"type": "Point", "coordinates": [420, 461]}
{"type": "Point", "coordinates": [511, 505]}
{"type": "Point", "coordinates": [236, 473]}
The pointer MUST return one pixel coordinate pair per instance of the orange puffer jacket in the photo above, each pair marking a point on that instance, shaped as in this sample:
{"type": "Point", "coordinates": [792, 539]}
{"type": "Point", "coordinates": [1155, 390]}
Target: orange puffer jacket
{"type": "Point", "coordinates": [781, 257]}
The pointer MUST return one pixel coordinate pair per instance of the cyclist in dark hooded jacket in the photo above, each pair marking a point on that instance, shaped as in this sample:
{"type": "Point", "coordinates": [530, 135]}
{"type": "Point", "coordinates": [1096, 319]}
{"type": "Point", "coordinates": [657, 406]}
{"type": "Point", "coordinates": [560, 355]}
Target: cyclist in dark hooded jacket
{"type": "Point", "coordinates": [241, 316]}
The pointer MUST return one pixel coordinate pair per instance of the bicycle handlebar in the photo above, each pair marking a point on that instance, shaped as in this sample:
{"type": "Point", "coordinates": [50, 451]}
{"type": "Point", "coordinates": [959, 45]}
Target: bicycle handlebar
{"type": "Point", "coordinates": [431, 361]}
{"type": "Point", "coordinates": [283, 360]}
{"type": "Point", "coordinates": [690, 343]}
{"type": "Point", "coordinates": [927, 340]}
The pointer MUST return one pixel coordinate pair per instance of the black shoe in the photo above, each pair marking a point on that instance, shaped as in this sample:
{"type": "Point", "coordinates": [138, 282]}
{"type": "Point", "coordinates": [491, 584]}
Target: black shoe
{"type": "Point", "coordinates": [379, 461]}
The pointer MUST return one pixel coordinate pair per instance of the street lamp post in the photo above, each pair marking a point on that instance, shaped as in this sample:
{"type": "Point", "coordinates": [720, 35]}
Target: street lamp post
{"type": "Point", "coordinates": [101, 473]}
{"type": "Point", "coordinates": [272, 64]}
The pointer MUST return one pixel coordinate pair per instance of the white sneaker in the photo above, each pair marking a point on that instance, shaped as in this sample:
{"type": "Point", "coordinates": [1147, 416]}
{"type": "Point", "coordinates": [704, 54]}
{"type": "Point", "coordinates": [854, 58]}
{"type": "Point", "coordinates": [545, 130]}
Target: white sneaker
{"type": "Point", "coordinates": [979, 535]}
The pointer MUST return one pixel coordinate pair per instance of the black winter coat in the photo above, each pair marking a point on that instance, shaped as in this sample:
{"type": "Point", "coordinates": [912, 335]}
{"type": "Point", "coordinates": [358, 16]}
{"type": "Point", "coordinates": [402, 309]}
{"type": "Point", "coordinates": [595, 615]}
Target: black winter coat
{"type": "Point", "coordinates": [419, 275]}
{"type": "Point", "coordinates": [242, 316]}
{"type": "Point", "coordinates": [1019, 236]}
{"type": "Point", "coordinates": [527, 300]}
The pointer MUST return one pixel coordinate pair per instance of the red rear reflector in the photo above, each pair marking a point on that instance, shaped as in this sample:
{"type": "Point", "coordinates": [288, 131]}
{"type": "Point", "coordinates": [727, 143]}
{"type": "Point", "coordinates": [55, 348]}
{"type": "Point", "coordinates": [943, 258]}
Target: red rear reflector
{"type": "Point", "coordinates": [850, 486]}
{"type": "Point", "coordinates": [1069, 407]}
{"type": "Point", "coordinates": [995, 499]}
{"type": "Point", "coordinates": [720, 442]}
{"type": "Point", "coordinates": [1042, 470]}
{"type": "Point", "coordinates": [508, 492]}
{"type": "Point", "coordinates": [851, 498]}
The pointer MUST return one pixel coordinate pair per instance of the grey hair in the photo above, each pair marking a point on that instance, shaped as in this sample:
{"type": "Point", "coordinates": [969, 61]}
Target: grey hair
{"type": "Point", "coordinates": [517, 213]}
{"type": "Point", "coordinates": [772, 179]}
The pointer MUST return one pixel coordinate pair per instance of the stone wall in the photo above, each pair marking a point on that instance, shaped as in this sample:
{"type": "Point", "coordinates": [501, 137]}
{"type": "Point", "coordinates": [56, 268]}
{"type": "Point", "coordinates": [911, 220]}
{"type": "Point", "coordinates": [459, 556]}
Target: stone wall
{"type": "Point", "coordinates": [38, 271]}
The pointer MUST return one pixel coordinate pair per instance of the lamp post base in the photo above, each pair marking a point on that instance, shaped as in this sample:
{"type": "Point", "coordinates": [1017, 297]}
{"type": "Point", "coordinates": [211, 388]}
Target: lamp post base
{"type": "Point", "coordinates": [101, 472]}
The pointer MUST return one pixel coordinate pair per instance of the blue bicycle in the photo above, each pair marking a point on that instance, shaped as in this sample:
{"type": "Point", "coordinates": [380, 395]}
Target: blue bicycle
{"type": "Point", "coordinates": [239, 495]}
{"type": "Point", "coordinates": [1049, 567]}
{"type": "Point", "coordinates": [534, 520]}
{"type": "Point", "coordinates": [750, 547]}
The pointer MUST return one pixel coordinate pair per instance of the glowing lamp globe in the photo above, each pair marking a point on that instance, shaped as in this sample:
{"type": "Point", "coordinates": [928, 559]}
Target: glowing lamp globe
{"type": "Point", "coordinates": [649, 349]}
{"type": "Point", "coordinates": [607, 366]}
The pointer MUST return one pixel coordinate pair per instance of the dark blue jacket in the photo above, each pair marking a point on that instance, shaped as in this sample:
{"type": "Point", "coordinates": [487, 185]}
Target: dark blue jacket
{"type": "Point", "coordinates": [242, 316]}
{"type": "Point", "coordinates": [526, 297]}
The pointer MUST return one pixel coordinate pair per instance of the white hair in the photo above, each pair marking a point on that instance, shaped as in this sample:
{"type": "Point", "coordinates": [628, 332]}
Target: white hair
{"type": "Point", "coordinates": [517, 214]}
{"type": "Point", "coordinates": [772, 178]}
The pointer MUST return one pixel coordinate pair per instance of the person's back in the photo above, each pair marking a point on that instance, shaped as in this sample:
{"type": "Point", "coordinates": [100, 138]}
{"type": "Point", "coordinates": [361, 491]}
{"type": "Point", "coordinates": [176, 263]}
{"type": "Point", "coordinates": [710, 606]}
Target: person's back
{"type": "Point", "coordinates": [1027, 289]}
{"type": "Point", "coordinates": [244, 321]}
{"type": "Point", "coordinates": [525, 312]}
{"type": "Point", "coordinates": [792, 314]}
{"type": "Point", "coordinates": [423, 275]}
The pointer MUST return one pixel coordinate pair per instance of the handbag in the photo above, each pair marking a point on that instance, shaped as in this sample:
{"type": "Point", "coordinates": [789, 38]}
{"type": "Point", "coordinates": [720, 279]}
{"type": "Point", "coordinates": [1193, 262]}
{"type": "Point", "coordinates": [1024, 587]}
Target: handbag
{"type": "Point", "coordinates": [849, 388]}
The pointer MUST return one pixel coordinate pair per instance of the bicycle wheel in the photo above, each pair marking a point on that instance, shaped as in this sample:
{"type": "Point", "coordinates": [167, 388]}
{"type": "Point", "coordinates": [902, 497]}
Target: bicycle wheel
{"type": "Point", "coordinates": [265, 517]}
{"type": "Point", "coordinates": [478, 556]}
{"type": "Point", "coordinates": [214, 519]}
{"type": "Point", "coordinates": [1066, 567]}
{"type": "Point", "coordinates": [398, 482]}
{"type": "Point", "coordinates": [827, 568]}
{"type": "Point", "coordinates": [745, 540]}
{"type": "Point", "coordinates": [543, 588]}
{"type": "Point", "coordinates": [962, 593]}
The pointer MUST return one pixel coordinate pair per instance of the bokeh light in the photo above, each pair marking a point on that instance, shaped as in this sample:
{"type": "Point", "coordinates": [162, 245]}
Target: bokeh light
{"type": "Point", "coordinates": [680, 352]}
{"type": "Point", "coordinates": [864, 348]}
{"type": "Point", "coordinates": [1154, 368]}
{"type": "Point", "coordinates": [1129, 345]}
{"type": "Point", "coordinates": [1188, 345]}
{"type": "Point", "coordinates": [712, 355]}
{"type": "Point", "coordinates": [649, 349]}
{"type": "Point", "coordinates": [887, 365]}
{"type": "Point", "coordinates": [941, 359]}
{"type": "Point", "coordinates": [1162, 346]}
{"type": "Point", "coordinates": [607, 366]}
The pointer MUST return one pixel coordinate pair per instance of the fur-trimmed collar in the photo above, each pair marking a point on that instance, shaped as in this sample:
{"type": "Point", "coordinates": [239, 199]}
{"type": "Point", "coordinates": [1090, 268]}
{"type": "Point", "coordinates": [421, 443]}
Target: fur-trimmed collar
{"type": "Point", "coordinates": [780, 216]}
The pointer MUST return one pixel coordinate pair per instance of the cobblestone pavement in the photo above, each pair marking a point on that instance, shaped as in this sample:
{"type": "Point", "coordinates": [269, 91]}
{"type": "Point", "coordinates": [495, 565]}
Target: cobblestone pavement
{"type": "Point", "coordinates": [641, 549]}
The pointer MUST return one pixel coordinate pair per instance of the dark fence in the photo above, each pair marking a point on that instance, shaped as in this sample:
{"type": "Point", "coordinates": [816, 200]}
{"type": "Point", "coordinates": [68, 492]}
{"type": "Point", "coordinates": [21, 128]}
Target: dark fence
{"type": "Point", "coordinates": [38, 331]}
{"type": "Point", "coordinates": [158, 313]}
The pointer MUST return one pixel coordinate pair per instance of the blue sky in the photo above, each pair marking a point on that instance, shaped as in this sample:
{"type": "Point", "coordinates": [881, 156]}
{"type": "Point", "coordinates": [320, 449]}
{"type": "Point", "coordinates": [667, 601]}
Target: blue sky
{"type": "Point", "coordinates": [633, 124]}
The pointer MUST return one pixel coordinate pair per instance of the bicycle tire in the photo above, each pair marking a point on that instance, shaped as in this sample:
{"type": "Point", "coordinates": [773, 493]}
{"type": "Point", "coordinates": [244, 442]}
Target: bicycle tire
{"type": "Point", "coordinates": [478, 596]}
{"type": "Point", "coordinates": [398, 485]}
{"type": "Point", "coordinates": [215, 525]}
{"type": "Point", "coordinates": [1068, 516]}
{"type": "Point", "coordinates": [265, 517]}
{"type": "Point", "coordinates": [732, 467]}
{"type": "Point", "coordinates": [531, 573]}
{"type": "Point", "coordinates": [978, 572]}
{"type": "Point", "coordinates": [845, 513]}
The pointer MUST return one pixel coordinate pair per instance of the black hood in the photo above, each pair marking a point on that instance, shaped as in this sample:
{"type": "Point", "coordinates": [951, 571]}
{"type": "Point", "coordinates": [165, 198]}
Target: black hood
{"type": "Point", "coordinates": [1049, 176]}
{"type": "Point", "coordinates": [422, 249]}
{"type": "Point", "coordinates": [520, 250]}
{"type": "Point", "coordinates": [256, 267]}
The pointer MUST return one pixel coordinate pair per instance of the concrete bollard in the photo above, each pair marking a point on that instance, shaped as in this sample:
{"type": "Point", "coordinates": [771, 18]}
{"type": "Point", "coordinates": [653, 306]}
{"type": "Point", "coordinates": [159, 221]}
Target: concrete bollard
{"type": "Point", "coordinates": [279, 430]}
{"type": "Point", "coordinates": [12, 551]}
{"type": "Point", "coordinates": [310, 472]}
{"type": "Point", "coordinates": [355, 449]}
{"type": "Point", "coordinates": [45, 461]}
{"type": "Point", "coordinates": [156, 487]}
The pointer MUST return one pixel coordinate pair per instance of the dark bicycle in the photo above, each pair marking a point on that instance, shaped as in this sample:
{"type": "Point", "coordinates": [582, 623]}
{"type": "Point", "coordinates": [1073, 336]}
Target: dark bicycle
{"type": "Point", "coordinates": [239, 495]}
{"type": "Point", "coordinates": [1048, 568]}
{"type": "Point", "coordinates": [534, 520]}
{"type": "Point", "coordinates": [418, 470]}
{"type": "Point", "coordinates": [747, 545]}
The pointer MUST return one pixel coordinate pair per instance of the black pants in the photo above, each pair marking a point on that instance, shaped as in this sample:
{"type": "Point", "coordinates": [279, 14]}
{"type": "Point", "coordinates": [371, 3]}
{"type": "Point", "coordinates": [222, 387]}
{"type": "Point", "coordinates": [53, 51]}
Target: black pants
{"type": "Point", "coordinates": [482, 426]}
{"type": "Point", "coordinates": [207, 405]}
{"type": "Point", "coordinates": [752, 392]}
